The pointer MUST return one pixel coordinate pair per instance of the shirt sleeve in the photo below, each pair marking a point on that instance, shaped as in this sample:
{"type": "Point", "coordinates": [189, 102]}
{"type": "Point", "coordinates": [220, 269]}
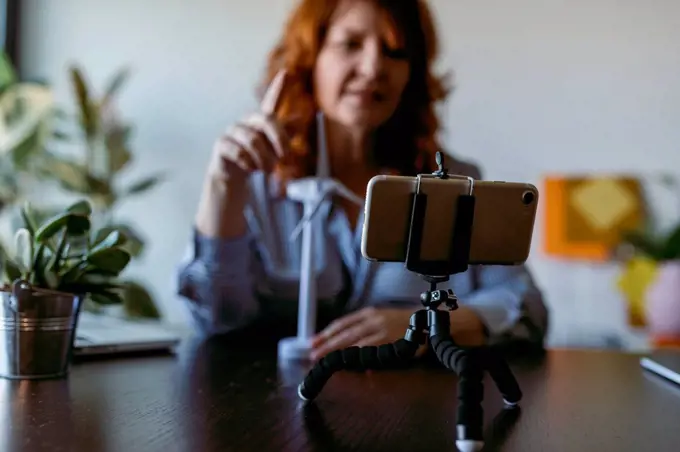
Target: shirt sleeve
{"type": "Point", "coordinates": [510, 304]}
{"type": "Point", "coordinates": [217, 279]}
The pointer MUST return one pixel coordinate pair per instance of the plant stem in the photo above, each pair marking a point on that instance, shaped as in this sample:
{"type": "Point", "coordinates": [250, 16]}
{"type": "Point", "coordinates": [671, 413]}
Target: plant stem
{"type": "Point", "coordinates": [36, 263]}
{"type": "Point", "coordinates": [60, 250]}
{"type": "Point", "coordinates": [31, 249]}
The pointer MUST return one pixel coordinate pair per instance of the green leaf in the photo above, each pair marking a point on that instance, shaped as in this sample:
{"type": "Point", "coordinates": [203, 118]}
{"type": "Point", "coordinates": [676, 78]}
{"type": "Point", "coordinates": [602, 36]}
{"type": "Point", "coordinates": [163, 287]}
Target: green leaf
{"type": "Point", "coordinates": [102, 233]}
{"type": "Point", "coordinates": [138, 302]}
{"type": "Point", "coordinates": [644, 243]}
{"type": "Point", "coordinates": [51, 279]}
{"type": "Point", "coordinates": [24, 152]}
{"type": "Point", "coordinates": [81, 208]}
{"type": "Point", "coordinates": [671, 249]}
{"type": "Point", "coordinates": [76, 224]}
{"type": "Point", "coordinates": [70, 174]}
{"type": "Point", "coordinates": [74, 176]}
{"type": "Point", "coordinates": [95, 277]}
{"type": "Point", "coordinates": [134, 243]}
{"type": "Point", "coordinates": [55, 262]}
{"type": "Point", "coordinates": [84, 277]}
{"type": "Point", "coordinates": [28, 219]}
{"type": "Point", "coordinates": [112, 260]}
{"type": "Point", "coordinates": [88, 116]}
{"type": "Point", "coordinates": [111, 240]}
{"type": "Point", "coordinates": [8, 74]}
{"type": "Point", "coordinates": [38, 267]}
{"type": "Point", "coordinates": [143, 185]}
{"type": "Point", "coordinates": [119, 154]}
{"type": "Point", "coordinates": [40, 214]}
{"type": "Point", "coordinates": [97, 281]}
{"type": "Point", "coordinates": [115, 85]}
{"type": "Point", "coordinates": [97, 186]}
{"type": "Point", "coordinates": [83, 286]}
{"type": "Point", "coordinates": [106, 298]}
{"type": "Point", "coordinates": [74, 272]}
{"type": "Point", "coordinates": [93, 272]}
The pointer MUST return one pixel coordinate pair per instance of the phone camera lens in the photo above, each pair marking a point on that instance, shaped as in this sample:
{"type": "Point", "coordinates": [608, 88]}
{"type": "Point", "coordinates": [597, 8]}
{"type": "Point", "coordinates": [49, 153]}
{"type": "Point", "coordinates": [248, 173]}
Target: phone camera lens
{"type": "Point", "coordinates": [527, 198]}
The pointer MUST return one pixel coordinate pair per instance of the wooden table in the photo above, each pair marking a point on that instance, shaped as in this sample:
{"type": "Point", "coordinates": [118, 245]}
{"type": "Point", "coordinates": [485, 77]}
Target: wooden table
{"type": "Point", "coordinates": [214, 396]}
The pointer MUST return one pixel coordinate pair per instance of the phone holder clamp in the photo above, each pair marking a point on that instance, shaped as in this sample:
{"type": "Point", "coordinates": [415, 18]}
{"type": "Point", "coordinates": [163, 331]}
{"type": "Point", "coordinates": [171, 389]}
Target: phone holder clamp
{"type": "Point", "coordinates": [433, 324]}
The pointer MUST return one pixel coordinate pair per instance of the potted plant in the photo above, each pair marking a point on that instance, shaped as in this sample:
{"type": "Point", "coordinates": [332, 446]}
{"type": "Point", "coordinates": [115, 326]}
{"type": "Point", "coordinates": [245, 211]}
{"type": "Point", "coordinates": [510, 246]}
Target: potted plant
{"type": "Point", "coordinates": [662, 288]}
{"type": "Point", "coordinates": [53, 268]}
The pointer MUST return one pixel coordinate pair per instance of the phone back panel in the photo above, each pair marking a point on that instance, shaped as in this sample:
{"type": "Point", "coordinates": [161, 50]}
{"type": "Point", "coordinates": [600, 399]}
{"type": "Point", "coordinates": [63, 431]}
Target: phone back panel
{"type": "Point", "coordinates": [387, 207]}
{"type": "Point", "coordinates": [503, 222]}
{"type": "Point", "coordinates": [388, 212]}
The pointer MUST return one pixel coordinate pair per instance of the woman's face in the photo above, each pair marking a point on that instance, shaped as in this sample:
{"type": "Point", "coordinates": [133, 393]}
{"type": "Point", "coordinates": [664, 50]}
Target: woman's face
{"type": "Point", "coordinates": [362, 68]}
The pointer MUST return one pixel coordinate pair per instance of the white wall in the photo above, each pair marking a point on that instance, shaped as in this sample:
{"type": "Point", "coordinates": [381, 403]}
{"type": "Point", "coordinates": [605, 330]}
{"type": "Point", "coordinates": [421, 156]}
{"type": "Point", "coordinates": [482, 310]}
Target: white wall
{"type": "Point", "coordinates": [543, 86]}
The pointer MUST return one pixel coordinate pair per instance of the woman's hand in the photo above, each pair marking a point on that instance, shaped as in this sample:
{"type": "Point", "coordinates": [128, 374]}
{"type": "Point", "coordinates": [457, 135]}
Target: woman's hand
{"type": "Point", "coordinates": [377, 326]}
{"type": "Point", "coordinates": [256, 143]}
{"type": "Point", "coordinates": [368, 326]}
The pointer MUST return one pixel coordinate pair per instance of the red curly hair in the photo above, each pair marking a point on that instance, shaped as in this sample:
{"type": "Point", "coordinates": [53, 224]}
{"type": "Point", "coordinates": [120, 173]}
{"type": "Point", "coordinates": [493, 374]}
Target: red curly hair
{"type": "Point", "coordinates": [406, 143]}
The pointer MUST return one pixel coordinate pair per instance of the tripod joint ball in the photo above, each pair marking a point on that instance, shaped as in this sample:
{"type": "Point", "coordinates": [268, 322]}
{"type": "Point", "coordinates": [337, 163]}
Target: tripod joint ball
{"type": "Point", "coordinates": [432, 323]}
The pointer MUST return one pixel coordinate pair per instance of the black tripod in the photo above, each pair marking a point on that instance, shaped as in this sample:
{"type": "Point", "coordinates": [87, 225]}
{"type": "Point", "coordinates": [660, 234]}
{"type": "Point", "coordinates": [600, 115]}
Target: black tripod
{"type": "Point", "coordinates": [469, 363]}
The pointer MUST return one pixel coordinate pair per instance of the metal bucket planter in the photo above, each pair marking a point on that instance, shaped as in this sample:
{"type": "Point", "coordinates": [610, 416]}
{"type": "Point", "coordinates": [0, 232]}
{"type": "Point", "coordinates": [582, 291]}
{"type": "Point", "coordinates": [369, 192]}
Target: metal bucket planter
{"type": "Point", "coordinates": [37, 331]}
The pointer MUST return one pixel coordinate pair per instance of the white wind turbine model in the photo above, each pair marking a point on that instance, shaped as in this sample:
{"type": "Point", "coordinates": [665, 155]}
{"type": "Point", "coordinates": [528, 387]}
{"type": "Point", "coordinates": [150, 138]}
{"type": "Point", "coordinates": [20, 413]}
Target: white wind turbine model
{"type": "Point", "coordinates": [312, 192]}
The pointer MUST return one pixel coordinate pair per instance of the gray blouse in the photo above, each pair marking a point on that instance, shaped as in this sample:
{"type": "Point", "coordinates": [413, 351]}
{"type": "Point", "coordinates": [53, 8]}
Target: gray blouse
{"type": "Point", "coordinates": [230, 283]}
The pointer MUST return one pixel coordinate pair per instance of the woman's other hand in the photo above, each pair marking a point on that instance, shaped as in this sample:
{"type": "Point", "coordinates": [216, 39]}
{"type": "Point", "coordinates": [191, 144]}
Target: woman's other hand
{"type": "Point", "coordinates": [367, 326]}
{"type": "Point", "coordinates": [256, 143]}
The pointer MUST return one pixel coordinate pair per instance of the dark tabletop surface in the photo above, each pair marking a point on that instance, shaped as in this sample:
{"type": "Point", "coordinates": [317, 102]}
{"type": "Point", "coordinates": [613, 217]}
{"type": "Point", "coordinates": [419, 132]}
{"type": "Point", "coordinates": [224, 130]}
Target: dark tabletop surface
{"type": "Point", "coordinates": [224, 395]}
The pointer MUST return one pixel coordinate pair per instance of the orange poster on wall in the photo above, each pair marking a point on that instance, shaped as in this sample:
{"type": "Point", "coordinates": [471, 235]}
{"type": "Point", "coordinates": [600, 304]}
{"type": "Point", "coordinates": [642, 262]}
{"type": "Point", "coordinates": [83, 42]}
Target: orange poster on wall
{"type": "Point", "coordinates": [585, 217]}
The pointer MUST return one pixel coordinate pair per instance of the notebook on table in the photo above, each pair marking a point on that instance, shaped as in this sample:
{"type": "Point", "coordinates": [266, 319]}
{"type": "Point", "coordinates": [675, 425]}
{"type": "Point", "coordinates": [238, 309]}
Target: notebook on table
{"type": "Point", "coordinates": [104, 335]}
{"type": "Point", "coordinates": [664, 363]}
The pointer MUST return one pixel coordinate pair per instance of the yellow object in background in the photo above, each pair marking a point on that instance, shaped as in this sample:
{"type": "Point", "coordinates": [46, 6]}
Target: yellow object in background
{"type": "Point", "coordinates": [638, 273]}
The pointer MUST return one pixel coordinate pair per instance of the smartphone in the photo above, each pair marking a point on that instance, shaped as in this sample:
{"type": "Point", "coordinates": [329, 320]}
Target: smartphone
{"type": "Point", "coordinates": [387, 215]}
{"type": "Point", "coordinates": [502, 227]}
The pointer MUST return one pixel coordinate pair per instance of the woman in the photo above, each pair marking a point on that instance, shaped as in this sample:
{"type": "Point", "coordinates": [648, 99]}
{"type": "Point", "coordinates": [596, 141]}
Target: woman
{"type": "Point", "coordinates": [366, 66]}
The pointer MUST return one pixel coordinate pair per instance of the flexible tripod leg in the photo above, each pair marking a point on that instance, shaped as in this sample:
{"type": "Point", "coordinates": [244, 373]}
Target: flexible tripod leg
{"type": "Point", "coordinates": [386, 356]}
{"type": "Point", "coordinates": [503, 377]}
{"type": "Point", "coordinates": [469, 366]}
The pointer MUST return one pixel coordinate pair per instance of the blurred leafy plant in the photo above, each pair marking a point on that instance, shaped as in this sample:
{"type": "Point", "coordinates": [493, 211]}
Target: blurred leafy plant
{"type": "Point", "coordinates": [25, 114]}
{"type": "Point", "coordinates": [7, 73]}
{"type": "Point", "coordinates": [658, 246]}
{"type": "Point", "coordinates": [107, 148]}
{"type": "Point", "coordinates": [98, 173]}
{"type": "Point", "coordinates": [65, 253]}
{"type": "Point", "coordinates": [25, 120]}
